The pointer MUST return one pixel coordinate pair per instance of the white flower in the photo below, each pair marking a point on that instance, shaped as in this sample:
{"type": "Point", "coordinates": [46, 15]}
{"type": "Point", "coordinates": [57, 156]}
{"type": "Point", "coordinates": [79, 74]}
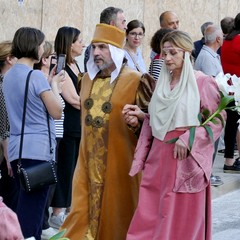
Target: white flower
{"type": "Point", "coordinates": [229, 85]}
{"type": "Point", "coordinates": [225, 83]}
{"type": "Point", "coordinates": [237, 95]}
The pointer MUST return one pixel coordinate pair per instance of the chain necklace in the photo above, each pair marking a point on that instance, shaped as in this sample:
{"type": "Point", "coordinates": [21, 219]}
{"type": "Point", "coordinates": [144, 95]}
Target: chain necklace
{"type": "Point", "coordinates": [106, 108]}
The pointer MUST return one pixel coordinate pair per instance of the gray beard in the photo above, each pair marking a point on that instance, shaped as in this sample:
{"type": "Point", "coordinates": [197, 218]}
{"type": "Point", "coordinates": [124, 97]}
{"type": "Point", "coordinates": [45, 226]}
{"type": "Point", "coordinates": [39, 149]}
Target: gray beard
{"type": "Point", "coordinates": [105, 65]}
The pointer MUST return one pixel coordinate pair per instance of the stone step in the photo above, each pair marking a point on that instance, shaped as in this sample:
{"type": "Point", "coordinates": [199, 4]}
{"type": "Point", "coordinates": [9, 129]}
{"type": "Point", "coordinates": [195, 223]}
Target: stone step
{"type": "Point", "coordinates": [231, 182]}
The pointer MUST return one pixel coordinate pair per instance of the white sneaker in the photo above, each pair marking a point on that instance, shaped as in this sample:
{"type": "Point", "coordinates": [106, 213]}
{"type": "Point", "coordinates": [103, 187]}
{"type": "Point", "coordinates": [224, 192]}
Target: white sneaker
{"type": "Point", "coordinates": [48, 233]}
{"type": "Point", "coordinates": [57, 221]}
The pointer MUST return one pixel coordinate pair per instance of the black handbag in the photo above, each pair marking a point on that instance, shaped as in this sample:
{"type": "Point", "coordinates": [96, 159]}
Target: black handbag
{"type": "Point", "coordinates": [44, 172]}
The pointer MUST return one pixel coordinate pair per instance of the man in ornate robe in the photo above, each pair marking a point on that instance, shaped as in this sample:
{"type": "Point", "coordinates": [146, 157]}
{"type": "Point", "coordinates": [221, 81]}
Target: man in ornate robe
{"type": "Point", "coordinates": [104, 195]}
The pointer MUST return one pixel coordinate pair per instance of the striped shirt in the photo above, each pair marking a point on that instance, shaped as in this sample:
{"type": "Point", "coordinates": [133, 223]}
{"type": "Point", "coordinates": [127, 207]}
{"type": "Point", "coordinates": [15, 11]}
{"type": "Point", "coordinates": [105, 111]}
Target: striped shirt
{"type": "Point", "coordinates": [155, 67]}
{"type": "Point", "coordinates": [59, 123]}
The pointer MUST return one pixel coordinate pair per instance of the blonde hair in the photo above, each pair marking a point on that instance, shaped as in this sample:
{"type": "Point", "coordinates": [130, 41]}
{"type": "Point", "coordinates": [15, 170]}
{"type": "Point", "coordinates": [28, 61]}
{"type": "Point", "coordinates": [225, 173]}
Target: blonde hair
{"type": "Point", "coordinates": [48, 49]}
{"type": "Point", "coordinates": [5, 51]}
{"type": "Point", "coordinates": [179, 39]}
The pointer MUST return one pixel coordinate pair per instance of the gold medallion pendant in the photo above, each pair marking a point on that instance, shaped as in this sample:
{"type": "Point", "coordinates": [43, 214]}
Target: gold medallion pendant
{"type": "Point", "coordinates": [88, 103]}
{"type": "Point", "coordinates": [97, 122]}
{"type": "Point", "coordinates": [88, 120]}
{"type": "Point", "coordinates": [106, 108]}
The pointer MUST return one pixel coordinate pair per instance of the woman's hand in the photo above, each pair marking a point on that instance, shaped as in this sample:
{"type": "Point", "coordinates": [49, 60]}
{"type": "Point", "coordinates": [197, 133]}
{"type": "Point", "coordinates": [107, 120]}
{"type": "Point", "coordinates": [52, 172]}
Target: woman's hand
{"type": "Point", "coordinates": [5, 152]}
{"type": "Point", "coordinates": [180, 150]}
{"type": "Point", "coordinates": [10, 171]}
{"type": "Point", "coordinates": [52, 99]}
{"type": "Point", "coordinates": [59, 79]}
{"type": "Point", "coordinates": [132, 114]}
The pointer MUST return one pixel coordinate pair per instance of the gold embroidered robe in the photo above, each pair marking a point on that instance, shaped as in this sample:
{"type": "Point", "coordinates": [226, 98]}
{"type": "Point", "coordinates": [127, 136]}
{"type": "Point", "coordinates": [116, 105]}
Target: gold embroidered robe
{"type": "Point", "coordinates": [104, 195]}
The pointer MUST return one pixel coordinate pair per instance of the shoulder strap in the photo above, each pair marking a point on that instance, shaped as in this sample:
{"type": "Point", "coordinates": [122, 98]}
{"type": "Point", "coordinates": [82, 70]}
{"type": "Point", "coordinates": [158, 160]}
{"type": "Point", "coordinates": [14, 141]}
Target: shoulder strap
{"type": "Point", "coordinates": [23, 122]}
{"type": "Point", "coordinates": [134, 61]}
{"type": "Point", "coordinates": [24, 117]}
{"type": "Point", "coordinates": [49, 134]}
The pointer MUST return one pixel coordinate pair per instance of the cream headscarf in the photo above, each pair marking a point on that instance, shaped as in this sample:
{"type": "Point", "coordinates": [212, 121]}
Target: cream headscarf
{"type": "Point", "coordinates": [115, 39]}
{"type": "Point", "coordinates": [117, 55]}
{"type": "Point", "coordinates": [171, 109]}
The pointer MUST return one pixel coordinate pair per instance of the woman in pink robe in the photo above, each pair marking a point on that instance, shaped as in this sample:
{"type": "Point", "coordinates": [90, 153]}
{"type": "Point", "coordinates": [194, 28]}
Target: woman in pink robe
{"type": "Point", "coordinates": [175, 195]}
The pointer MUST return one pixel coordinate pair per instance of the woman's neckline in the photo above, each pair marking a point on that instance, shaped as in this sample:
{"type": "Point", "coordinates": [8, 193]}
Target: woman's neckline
{"type": "Point", "coordinates": [130, 50]}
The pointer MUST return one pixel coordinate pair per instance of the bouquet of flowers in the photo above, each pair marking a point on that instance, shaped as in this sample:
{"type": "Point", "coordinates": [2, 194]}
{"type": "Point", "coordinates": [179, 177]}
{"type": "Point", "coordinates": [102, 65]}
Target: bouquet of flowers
{"type": "Point", "coordinates": [229, 86]}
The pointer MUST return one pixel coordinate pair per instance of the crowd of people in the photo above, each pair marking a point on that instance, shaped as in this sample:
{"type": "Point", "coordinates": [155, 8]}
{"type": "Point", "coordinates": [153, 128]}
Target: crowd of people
{"type": "Point", "coordinates": [120, 132]}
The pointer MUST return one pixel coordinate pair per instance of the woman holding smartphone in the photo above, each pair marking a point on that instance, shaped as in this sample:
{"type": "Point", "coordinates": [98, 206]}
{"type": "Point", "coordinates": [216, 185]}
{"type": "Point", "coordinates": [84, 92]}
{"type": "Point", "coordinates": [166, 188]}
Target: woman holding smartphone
{"type": "Point", "coordinates": [68, 41]}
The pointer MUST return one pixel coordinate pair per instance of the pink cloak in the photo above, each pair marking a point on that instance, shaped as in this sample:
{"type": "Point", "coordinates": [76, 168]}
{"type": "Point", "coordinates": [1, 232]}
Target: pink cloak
{"type": "Point", "coordinates": [175, 195]}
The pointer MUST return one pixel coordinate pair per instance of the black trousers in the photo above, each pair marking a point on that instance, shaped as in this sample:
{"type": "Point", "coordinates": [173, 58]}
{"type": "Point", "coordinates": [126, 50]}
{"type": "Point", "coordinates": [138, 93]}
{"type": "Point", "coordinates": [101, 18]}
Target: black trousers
{"type": "Point", "coordinates": [31, 205]}
{"type": "Point", "coordinates": [50, 194]}
{"type": "Point", "coordinates": [215, 148]}
{"type": "Point", "coordinates": [231, 129]}
{"type": "Point", "coordinates": [8, 187]}
{"type": "Point", "coordinates": [67, 159]}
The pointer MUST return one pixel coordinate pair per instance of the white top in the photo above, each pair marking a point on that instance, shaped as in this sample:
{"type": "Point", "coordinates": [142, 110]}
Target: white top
{"type": "Point", "coordinates": [138, 60]}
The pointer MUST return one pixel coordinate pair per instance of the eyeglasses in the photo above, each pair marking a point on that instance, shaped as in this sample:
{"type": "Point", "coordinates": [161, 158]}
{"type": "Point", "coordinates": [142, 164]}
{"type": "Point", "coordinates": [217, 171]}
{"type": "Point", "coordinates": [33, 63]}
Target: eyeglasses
{"type": "Point", "coordinates": [134, 34]}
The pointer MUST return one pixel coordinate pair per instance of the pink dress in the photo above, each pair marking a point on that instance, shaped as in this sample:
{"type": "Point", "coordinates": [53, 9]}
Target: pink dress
{"type": "Point", "coordinates": [175, 197]}
{"type": "Point", "coordinates": [9, 225]}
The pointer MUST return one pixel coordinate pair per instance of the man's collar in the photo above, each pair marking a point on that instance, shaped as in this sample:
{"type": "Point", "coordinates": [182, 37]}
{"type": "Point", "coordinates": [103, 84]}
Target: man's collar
{"type": "Point", "coordinates": [210, 50]}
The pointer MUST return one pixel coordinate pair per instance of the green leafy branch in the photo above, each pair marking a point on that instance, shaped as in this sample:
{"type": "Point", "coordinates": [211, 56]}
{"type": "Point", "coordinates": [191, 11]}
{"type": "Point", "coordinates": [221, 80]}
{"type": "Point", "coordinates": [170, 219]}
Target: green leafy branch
{"type": "Point", "coordinates": [204, 118]}
{"type": "Point", "coordinates": [59, 235]}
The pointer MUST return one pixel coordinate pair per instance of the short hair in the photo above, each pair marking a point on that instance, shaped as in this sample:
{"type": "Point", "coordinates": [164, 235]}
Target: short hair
{"type": "Point", "coordinates": [227, 24]}
{"type": "Point", "coordinates": [48, 50]}
{"type": "Point", "coordinates": [135, 24]}
{"type": "Point", "coordinates": [236, 28]}
{"type": "Point", "coordinates": [162, 16]}
{"type": "Point", "coordinates": [5, 51]}
{"type": "Point", "coordinates": [179, 39]}
{"type": "Point", "coordinates": [26, 42]}
{"type": "Point", "coordinates": [211, 33]}
{"type": "Point", "coordinates": [109, 14]}
{"type": "Point", "coordinates": [63, 41]}
{"type": "Point", "coordinates": [157, 38]}
{"type": "Point", "coordinates": [204, 26]}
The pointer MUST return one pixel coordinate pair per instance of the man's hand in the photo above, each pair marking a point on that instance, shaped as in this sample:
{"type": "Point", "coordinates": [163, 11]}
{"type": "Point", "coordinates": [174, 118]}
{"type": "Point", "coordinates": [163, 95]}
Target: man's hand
{"type": "Point", "coordinates": [132, 114]}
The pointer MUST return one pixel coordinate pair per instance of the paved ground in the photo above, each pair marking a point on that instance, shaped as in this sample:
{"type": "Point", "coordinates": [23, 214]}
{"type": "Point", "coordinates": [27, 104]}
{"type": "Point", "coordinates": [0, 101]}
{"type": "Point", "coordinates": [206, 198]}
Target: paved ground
{"type": "Point", "coordinates": [231, 181]}
{"type": "Point", "coordinates": [226, 216]}
{"type": "Point", "coordinates": [226, 204]}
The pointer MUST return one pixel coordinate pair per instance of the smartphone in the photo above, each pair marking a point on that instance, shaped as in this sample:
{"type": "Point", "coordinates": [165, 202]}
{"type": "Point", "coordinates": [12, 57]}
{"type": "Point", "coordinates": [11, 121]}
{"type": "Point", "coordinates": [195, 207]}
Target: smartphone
{"type": "Point", "coordinates": [60, 62]}
{"type": "Point", "coordinates": [53, 62]}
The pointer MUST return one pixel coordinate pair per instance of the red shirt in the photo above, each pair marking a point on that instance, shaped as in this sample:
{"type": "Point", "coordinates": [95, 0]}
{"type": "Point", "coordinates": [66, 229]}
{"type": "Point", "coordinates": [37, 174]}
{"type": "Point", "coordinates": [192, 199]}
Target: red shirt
{"type": "Point", "coordinates": [230, 56]}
